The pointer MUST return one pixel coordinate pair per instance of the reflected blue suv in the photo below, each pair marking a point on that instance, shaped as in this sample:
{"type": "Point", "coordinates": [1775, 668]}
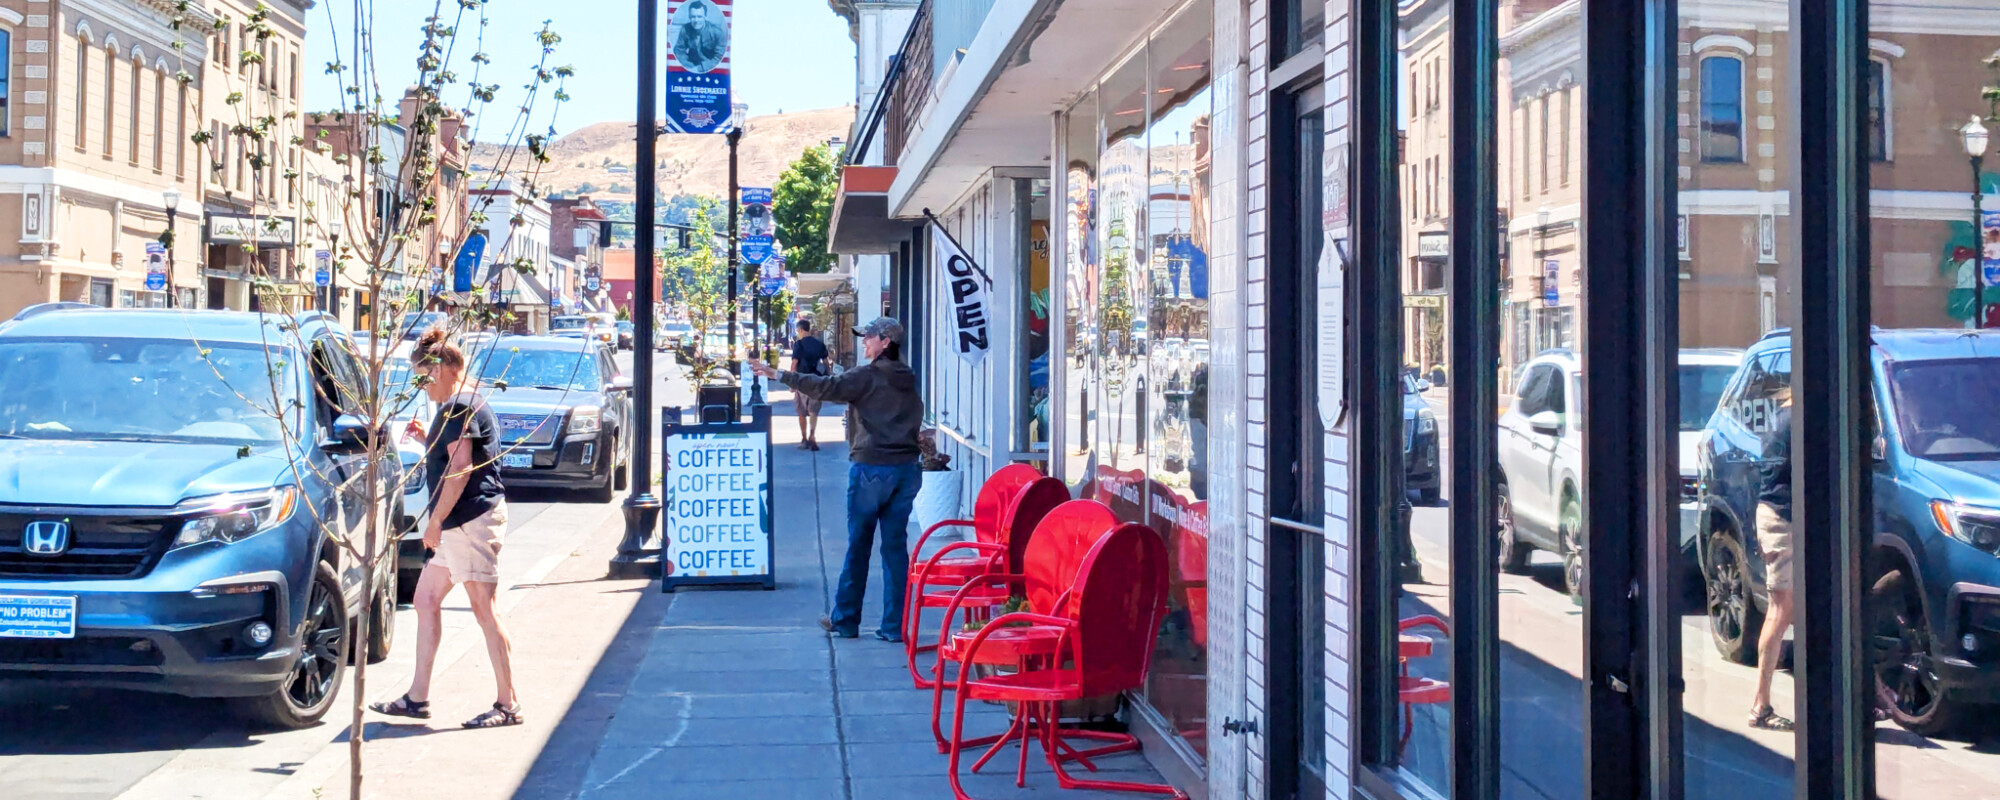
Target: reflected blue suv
{"type": "Point", "coordinates": [170, 483]}
{"type": "Point", "coordinates": [1933, 571]}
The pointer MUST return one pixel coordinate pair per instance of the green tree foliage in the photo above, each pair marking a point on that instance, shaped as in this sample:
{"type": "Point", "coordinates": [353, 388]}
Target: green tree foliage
{"type": "Point", "coordinates": [696, 281]}
{"type": "Point", "coordinates": [802, 204]}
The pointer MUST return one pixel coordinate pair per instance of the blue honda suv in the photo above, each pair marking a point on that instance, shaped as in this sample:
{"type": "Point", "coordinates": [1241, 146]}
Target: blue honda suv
{"type": "Point", "coordinates": [1933, 570]}
{"type": "Point", "coordinates": [171, 486]}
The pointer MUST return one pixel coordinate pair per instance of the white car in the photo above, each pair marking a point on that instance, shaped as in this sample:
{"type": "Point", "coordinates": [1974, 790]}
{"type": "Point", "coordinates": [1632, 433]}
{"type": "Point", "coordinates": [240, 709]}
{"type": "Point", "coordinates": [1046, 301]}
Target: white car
{"type": "Point", "coordinates": [1541, 455]}
{"type": "Point", "coordinates": [407, 401]}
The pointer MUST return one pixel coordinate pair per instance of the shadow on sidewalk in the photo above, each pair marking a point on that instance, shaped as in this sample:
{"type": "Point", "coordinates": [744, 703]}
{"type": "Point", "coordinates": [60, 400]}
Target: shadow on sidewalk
{"type": "Point", "coordinates": [564, 761]}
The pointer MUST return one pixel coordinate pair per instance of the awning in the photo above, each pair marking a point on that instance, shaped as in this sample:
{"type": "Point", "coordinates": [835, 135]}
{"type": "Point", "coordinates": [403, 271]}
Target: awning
{"type": "Point", "coordinates": [522, 290]}
{"type": "Point", "coordinates": [861, 223]}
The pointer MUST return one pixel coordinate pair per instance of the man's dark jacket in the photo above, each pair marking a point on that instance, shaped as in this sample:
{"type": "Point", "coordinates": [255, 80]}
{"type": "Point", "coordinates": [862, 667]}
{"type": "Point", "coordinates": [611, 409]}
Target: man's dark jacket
{"type": "Point", "coordinates": [884, 412]}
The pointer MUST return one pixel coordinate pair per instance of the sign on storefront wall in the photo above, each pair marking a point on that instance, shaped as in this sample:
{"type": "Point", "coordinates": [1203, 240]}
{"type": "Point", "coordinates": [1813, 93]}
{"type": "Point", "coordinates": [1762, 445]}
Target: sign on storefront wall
{"type": "Point", "coordinates": [1332, 285]}
{"type": "Point", "coordinates": [966, 286]}
{"type": "Point", "coordinates": [717, 491]}
{"type": "Point", "coordinates": [1434, 245]}
{"type": "Point", "coordinates": [237, 229]}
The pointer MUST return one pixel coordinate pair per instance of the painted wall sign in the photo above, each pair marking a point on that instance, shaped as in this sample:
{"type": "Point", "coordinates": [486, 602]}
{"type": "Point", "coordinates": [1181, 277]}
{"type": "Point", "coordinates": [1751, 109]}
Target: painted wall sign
{"type": "Point", "coordinates": [698, 36]}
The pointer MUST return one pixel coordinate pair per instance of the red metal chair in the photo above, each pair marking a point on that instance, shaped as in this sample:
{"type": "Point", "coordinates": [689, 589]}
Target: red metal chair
{"type": "Point", "coordinates": [950, 567]}
{"type": "Point", "coordinates": [1045, 569]}
{"type": "Point", "coordinates": [1415, 691]}
{"type": "Point", "coordinates": [1106, 647]}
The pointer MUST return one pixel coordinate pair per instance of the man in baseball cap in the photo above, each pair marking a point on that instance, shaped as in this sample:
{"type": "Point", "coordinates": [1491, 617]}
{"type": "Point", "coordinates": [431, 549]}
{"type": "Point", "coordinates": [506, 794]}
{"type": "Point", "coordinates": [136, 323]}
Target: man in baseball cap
{"type": "Point", "coordinates": [884, 414]}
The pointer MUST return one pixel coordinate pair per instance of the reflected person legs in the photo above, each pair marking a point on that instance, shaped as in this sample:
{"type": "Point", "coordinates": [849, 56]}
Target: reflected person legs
{"type": "Point", "coordinates": [1774, 539]}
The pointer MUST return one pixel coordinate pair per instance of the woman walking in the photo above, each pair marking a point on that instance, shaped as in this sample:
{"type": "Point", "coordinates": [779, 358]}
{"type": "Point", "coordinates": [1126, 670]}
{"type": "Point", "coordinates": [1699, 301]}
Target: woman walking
{"type": "Point", "coordinates": [468, 516]}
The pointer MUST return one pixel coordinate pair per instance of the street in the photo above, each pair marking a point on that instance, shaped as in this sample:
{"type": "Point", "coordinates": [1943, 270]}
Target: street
{"type": "Point", "coordinates": [1542, 700]}
{"type": "Point", "coordinates": [100, 744]}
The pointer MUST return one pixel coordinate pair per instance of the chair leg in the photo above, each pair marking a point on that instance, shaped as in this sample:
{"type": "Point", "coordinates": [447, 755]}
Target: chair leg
{"type": "Point", "coordinates": [1067, 781]}
{"type": "Point", "coordinates": [957, 745]}
{"type": "Point", "coordinates": [999, 743]}
{"type": "Point", "coordinates": [1027, 731]}
{"type": "Point", "coordinates": [937, 704]}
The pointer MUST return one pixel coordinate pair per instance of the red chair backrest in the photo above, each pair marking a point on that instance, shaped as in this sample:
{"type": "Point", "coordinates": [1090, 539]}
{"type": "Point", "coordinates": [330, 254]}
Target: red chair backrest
{"type": "Point", "coordinates": [1031, 505]}
{"type": "Point", "coordinates": [996, 496]}
{"type": "Point", "coordinates": [1055, 552]}
{"type": "Point", "coordinates": [1121, 597]}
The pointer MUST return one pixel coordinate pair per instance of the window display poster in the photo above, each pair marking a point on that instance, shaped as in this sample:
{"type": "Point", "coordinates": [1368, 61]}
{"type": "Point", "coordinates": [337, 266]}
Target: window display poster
{"type": "Point", "coordinates": [718, 521]}
{"type": "Point", "coordinates": [1332, 286]}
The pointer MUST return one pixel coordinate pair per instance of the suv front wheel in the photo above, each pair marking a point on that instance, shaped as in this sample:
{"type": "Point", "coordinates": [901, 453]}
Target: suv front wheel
{"type": "Point", "coordinates": [1906, 677]}
{"type": "Point", "coordinates": [308, 691]}
{"type": "Point", "coordinates": [1734, 620]}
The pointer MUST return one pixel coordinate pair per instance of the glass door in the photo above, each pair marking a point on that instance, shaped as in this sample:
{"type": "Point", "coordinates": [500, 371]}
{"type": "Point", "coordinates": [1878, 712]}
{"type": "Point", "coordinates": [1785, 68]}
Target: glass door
{"type": "Point", "coordinates": [1297, 542]}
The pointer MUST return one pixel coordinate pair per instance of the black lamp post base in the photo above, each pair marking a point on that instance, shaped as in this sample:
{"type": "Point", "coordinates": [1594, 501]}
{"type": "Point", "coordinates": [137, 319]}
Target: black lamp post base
{"type": "Point", "coordinates": [634, 558]}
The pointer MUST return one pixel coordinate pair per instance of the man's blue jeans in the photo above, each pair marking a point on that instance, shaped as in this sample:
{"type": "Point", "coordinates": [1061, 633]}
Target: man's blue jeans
{"type": "Point", "coordinates": [877, 496]}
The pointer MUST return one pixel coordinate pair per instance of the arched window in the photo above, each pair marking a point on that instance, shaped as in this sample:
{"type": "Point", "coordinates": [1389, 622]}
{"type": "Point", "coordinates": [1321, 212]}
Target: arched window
{"type": "Point", "coordinates": [82, 89]}
{"type": "Point", "coordinates": [160, 118]}
{"type": "Point", "coordinates": [1878, 110]}
{"type": "Point", "coordinates": [110, 95]}
{"type": "Point", "coordinates": [1722, 109]}
{"type": "Point", "coordinates": [138, 81]}
{"type": "Point", "coordinates": [181, 130]}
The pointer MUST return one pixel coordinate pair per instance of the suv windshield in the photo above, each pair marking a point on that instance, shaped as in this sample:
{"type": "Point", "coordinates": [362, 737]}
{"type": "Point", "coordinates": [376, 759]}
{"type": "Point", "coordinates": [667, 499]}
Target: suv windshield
{"type": "Point", "coordinates": [415, 328]}
{"type": "Point", "coordinates": [542, 369]}
{"type": "Point", "coordinates": [1701, 392]}
{"type": "Point", "coordinates": [1409, 385]}
{"type": "Point", "coordinates": [566, 323]}
{"type": "Point", "coordinates": [1932, 400]}
{"type": "Point", "coordinates": [141, 390]}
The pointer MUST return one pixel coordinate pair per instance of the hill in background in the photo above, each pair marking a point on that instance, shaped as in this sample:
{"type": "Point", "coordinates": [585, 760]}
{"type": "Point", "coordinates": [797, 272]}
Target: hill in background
{"type": "Point", "coordinates": [599, 160]}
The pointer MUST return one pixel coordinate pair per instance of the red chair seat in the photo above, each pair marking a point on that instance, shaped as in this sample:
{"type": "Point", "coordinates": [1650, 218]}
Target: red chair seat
{"type": "Point", "coordinates": [955, 570]}
{"type": "Point", "coordinates": [1030, 686]}
{"type": "Point", "coordinates": [1006, 646]}
{"type": "Point", "coordinates": [976, 597]}
{"type": "Point", "coordinates": [1413, 646]}
{"type": "Point", "coordinates": [1417, 691]}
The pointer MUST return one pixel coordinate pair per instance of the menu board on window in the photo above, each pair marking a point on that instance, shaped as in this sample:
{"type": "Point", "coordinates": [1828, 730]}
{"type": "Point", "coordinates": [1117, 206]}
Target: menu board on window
{"type": "Point", "coordinates": [1332, 286]}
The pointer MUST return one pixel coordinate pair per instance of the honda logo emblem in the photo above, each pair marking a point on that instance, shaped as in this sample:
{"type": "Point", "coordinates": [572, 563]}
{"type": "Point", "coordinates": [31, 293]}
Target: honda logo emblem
{"type": "Point", "coordinates": [46, 538]}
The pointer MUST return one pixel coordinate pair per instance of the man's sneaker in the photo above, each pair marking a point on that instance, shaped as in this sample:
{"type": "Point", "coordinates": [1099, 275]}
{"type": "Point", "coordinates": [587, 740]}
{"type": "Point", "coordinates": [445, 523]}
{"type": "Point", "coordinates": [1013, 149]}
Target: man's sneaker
{"type": "Point", "coordinates": [826, 624]}
{"type": "Point", "coordinates": [889, 636]}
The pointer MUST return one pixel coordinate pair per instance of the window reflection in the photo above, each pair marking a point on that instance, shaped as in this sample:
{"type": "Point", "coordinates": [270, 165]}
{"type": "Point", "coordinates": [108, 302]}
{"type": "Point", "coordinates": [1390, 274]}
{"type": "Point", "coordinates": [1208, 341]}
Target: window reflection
{"type": "Point", "coordinates": [1932, 581]}
{"type": "Point", "coordinates": [1079, 347]}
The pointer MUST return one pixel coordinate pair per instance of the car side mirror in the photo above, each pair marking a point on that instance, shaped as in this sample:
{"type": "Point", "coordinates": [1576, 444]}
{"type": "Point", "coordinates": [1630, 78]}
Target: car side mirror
{"type": "Point", "coordinates": [1546, 423]}
{"type": "Point", "coordinates": [1423, 385]}
{"type": "Point", "coordinates": [1878, 448]}
{"type": "Point", "coordinates": [350, 435]}
{"type": "Point", "coordinates": [621, 383]}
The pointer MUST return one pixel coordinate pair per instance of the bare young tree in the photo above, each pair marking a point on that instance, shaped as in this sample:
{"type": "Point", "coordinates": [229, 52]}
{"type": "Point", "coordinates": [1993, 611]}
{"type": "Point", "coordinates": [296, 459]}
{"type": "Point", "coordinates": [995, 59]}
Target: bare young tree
{"type": "Point", "coordinates": [399, 209]}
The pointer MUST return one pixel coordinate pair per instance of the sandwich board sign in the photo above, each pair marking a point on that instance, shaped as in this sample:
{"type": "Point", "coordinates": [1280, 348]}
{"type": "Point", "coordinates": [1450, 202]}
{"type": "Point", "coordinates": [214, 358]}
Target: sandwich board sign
{"type": "Point", "coordinates": [716, 487]}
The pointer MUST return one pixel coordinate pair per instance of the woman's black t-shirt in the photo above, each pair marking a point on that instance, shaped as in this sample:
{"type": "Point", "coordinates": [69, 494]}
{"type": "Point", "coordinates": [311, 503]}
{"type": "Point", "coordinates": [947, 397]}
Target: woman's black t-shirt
{"type": "Point", "coordinates": [465, 416]}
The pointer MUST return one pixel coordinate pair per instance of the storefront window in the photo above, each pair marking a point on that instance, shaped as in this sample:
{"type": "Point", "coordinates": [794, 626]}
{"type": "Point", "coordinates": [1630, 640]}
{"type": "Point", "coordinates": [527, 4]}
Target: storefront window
{"type": "Point", "coordinates": [1120, 314]}
{"type": "Point", "coordinates": [1034, 322]}
{"type": "Point", "coordinates": [1079, 392]}
{"type": "Point", "coordinates": [1176, 353]}
{"type": "Point", "coordinates": [1739, 278]}
{"type": "Point", "coordinates": [1931, 583]}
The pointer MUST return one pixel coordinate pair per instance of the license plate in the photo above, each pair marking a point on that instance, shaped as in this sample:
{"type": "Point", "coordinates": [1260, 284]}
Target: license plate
{"type": "Point", "coordinates": [37, 617]}
{"type": "Point", "coordinates": [518, 460]}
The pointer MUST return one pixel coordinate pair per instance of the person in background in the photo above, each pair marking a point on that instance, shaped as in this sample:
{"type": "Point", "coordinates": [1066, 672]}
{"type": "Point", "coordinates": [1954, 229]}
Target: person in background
{"type": "Point", "coordinates": [809, 357]}
{"type": "Point", "coordinates": [1774, 539]}
{"type": "Point", "coordinates": [468, 517]}
{"type": "Point", "coordinates": [884, 415]}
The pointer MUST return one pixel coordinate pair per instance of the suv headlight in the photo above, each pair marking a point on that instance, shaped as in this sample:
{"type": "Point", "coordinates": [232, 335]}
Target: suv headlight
{"type": "Point", "coordinates": [1427, 422]}
{"type": "Point", "coordinates": [236, 516]}
{"type": "Point", "coordinates": [584, 419]}
{"type": "Point", "coordinates": [1979, 527]}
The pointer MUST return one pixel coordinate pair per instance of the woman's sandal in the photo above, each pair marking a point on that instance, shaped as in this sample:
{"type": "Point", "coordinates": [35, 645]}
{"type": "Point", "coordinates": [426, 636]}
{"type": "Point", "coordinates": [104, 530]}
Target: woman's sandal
{"type": "Point", "coordinates": [1767, 718]}
{"type": "Point", "coordinates": [404, 707]}
{"type": "Point", "coordinates": [500, 716]}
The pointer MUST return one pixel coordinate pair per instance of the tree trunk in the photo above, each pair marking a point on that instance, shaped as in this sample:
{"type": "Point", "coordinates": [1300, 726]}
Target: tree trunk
{"type": "Point", "coordinates": [372, 555]}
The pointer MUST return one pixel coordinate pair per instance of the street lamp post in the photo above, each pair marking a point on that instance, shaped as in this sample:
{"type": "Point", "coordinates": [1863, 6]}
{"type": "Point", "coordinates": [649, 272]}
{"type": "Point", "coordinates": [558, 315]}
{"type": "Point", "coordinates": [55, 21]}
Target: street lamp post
{"type": "Point", "coordinates": [172, 198]}
{"type": "Point", "coordinates": [735, 256]}
{"type": "Point", "coordinates": [642, 507]}
{"type": "Point", "coordinates": [1975, 137]}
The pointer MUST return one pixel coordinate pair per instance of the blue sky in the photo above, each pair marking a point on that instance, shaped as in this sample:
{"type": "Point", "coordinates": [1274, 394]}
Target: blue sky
{"type": "Point", "coordinates": [789, 54]}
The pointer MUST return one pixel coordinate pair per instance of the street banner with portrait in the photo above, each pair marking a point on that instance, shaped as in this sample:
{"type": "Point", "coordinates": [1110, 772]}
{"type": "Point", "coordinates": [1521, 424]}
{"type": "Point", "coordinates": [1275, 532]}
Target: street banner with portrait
{"type": "Point", "coordinates": [698, 40]}
{"type": "Point", "coordinates": [757, 239]}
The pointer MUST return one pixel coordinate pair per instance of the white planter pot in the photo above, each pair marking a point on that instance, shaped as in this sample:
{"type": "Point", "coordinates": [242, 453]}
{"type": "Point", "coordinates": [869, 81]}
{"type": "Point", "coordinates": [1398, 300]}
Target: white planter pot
{"type": "Point", "coordinates": [936, 502]}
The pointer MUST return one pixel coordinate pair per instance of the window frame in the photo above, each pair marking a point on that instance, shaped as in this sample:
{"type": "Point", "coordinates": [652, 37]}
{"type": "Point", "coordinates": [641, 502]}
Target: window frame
{"type": "Point", "coordinates": [85, 50]}
{"type": "Point", "coordinates": [1704, 126]}
{"type": "Point", "coordinates": [1881, 129]}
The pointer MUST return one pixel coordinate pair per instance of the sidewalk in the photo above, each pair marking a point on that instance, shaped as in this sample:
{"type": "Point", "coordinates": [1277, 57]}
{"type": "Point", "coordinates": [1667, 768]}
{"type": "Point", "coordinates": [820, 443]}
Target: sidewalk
{"type": "Point", "coordinates": [740, 694]}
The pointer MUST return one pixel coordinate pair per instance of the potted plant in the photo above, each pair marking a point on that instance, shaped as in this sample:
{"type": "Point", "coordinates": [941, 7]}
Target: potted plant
{"type": "Point", "coordinates": [937, 499]}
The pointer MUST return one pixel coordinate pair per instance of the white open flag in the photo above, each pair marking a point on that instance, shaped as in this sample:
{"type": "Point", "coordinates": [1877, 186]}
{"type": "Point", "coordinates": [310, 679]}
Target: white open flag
{"type": "Point", "coordinates": [965, 284]}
